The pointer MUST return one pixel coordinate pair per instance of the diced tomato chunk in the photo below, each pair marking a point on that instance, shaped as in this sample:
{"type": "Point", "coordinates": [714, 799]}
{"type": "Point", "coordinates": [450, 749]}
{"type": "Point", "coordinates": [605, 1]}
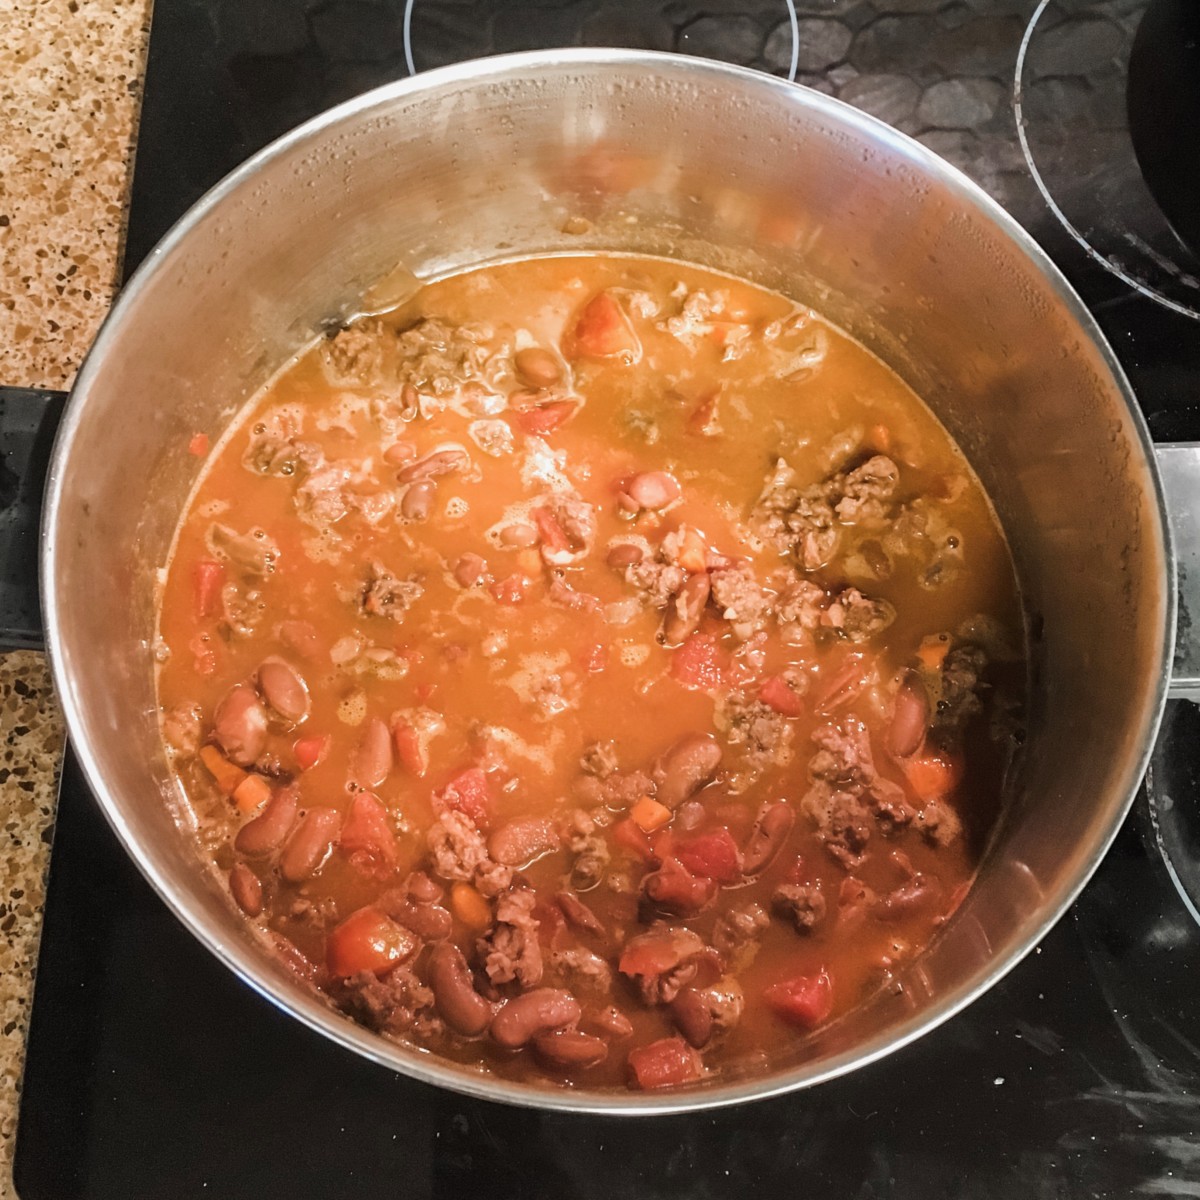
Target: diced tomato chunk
{"type": "Point", "coordinates": [804, 1001]}
{"type": "Point", "coordinates": [603, 330]}
{"type": "Point", "coordinates": [509, 590]}
{"type": "Point", "coordinates": [311, 750]}
{"type": "Point", "coordinates": [934, 775]}
{"type": "Point", "coordinates": [777, 694]}
{"type": "Point", "coordinates": [627, 834]}
{"type": "Point", "coordinates": [712, 855]}
{"type": "Point", "coordinates": [409, 750]}
{"type": "Point", "coordinates": [545, 418]}
{"type": "Point", "coordinates": [554, 537]}
{"type": "Point", "coordinates": [367, 940]}
{"type": "Point", "coordinates": [367, 837]}
{"type": "Point", "coordinates": [208, 578]}
{"type": "Point", "coordinates": [594, 658]}
{"type": "Point", "coordinates": [198, 445]}
{"type": "Point", "coordinates": [468, 793]}
{"type": "Point", "coordinates": [668, 1062]}
{"type": "Point", "coordinates": [699, 663]}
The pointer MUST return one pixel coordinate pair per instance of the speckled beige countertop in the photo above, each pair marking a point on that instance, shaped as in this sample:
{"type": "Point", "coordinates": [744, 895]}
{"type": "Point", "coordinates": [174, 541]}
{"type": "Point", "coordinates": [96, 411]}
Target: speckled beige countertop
{"type": "Point", "coordinates": [70, 76]}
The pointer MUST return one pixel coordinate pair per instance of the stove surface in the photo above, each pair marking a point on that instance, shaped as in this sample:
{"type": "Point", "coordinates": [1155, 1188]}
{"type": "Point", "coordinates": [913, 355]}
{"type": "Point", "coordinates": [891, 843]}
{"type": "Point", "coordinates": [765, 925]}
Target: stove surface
{"type": "Point", "coordinates": [153, 1072]}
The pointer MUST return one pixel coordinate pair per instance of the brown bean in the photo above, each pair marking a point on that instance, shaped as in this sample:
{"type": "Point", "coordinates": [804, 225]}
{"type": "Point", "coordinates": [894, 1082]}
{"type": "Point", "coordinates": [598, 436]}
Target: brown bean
{"type": "Point", "coordinates": [520, 1020]}
{"type": "Point", "coordinates": [693, 1016]}
{"type": "Point", "coordinates": [460, 1005]}
{"type": "Point", "coordinates": [423, 889]}
{"type": "Point", "coordinates": [371, 763]}
{"type": "Point", "coordinates": [399, 453]}
{"type": "Point", "coordinates": [537, 367]}
{"type": "Point", "coordinates": [653, 490]}
{"type": "Point", "coordinates": [240, 725]}
{"type": "Point", "coordinates": [246, 889]}
{"type": "Point", "coordinates": [518, 843]}
{"type": "Point", "coordinates": [624, 554]}
{"type": "Point", "coordinates": [283, 689]}
{"type": "Point", "coordinates": [570, 1048]}
{"type": "Point", "coordinates": [770, 831]}
{"type": "Point", "coordinates": [614, 1022]}
{"type": "Point", "coordinates": [686, 608]}
{"type": "Point", "coordinates": [910, 718]}
{"type": "Point", "coordinates": [578, 913]}
{"type": "Point", "coordinates": [266, 832]}
{"type": "Point", "coordinates": [519, 535]}
{"type": "Point", "coordinates": [417, 502]}
{"type": "Point", "coordinates": [469, 570]}
{"type": "Point", "coordinates": [310, 844]}
{"type": "Point", "coordinates": [430, 922]}
{"type": "Point", "coordinates": [686, 768]}
{"type": "Point", "coordinates": [440, 462]}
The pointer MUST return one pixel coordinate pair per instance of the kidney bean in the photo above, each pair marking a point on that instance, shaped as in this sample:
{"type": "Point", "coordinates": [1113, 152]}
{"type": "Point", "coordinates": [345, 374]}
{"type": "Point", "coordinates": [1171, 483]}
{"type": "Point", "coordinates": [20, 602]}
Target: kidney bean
{"type": "Point", "coordinates": [910, 718]}
{"type": "Point", "coordinates": [518, 843]}
{"type": "Point", "coordinates": [909, 898]}
{"type": "Point", "coordinates": [266, 832]}
{"type": "Point", "coordinates": [399, 453]}
{"type": "Point", "coordinates": [693, 1017]}
{"type": "Point", "coordinates": [686, 608]}
{"type": "Point", "coordinates": [674, 889]}
{"type": "Point", "coordinates": [520, 1020]}
{"type": "Point", "coordinates": [578, 913]}
{"type": "Point", "coordinates": [469, 570]}
{"type": "Point", "coordinates": [371, 763]}
{"type": "Point", "coordinates": [440, 462]}
{"type": "Point", "coordinates": [624, 554]}
{"type": "Point", "coordinates": [614, 1022]}
{"type": "Point", "coordinates": [423, 889]}
{"type": "Point", "coordinates": [430, 922]}
{"type": "Point", "coordinates": [240, 725]}
{"type": "Point", "coordinates": [283, 689]}
{"type": "Point", "coordinates": [460, 1005]}
{"type": "Point", "coordinates": [537, 367]}
{"type": "Point", "coordinates": [246, 888]}
{"type": "Point", "coordinates": [417, 502]}
{"type": "Point", "coordinates": [519, 535]}
{"type": "Point", "coordinates": [300, 636]}
{"type": "Point", "coordinates": [686, 768]}
{"type": "Point", "coordinates": [653, 490]}
{"type": "Point", "coordinates": [546, 418]}
{"type": "Point", "coordinates": [310, 844]}
{"type": "Point", "coordinates": [770, 831]}
{"type": "Point", "coordinates": [570, 1048]}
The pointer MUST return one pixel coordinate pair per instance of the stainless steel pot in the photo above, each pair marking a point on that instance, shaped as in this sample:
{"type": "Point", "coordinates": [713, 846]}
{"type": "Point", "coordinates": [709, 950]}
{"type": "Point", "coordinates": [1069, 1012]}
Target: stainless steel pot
{"type": "Point", "coordinates": [574, 151]}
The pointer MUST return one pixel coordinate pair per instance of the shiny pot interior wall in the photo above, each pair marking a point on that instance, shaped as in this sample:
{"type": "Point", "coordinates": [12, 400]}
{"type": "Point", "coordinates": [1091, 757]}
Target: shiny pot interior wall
{"type": "Point", "coordinates": [662, 155]}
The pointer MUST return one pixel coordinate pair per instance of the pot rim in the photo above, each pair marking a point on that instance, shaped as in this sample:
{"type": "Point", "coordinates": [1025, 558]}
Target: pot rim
{"type": "Point", "coordinates": [246, 962]}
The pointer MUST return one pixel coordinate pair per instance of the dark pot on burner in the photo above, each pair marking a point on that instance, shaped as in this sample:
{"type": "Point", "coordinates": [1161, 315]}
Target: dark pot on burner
{"type": "Point", "coordinates": [644, 153]}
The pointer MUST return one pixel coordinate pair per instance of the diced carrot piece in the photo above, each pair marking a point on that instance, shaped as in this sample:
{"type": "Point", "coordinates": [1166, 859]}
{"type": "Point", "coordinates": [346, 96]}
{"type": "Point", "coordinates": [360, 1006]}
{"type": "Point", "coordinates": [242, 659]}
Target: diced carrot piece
{"type": "Point", "coordinates": [366, 837]}
{"type": "Point", "coordinates": [629, 835]}
{"type": "Point", "coordinates": [311, 750]}
{"type": "Point", "coordinates": [648, 815]}
{"type": "Point", "coordinates": [367, 940]}
{"type": "Point", "coordinates": [777, 694]}
{"type": "Point", "coordinates": [933, 650]}
{"type": "Point", "coordinates": [409, 750]}
{"type": "Point", "coordinates": [668, 1062]}
{"type": "Point", "coordinates": [805, 1001]}
{"type": "Point", "coordinates": [603, 330]}
{"type": "Point", "coordinates": [933, 775]}
{"type": "Point", "coordinates": [470, 907]}
{"type": "Point", "coordinates": [227, 775]}
{"type": "Point", "coordinates": [208, 578]}
{"type": "Point", "coordinates": [253, 792]}
{"type": "Point", "coordinates": [198, 445]}
{"type": "Point", "coordinates": [693, 554]}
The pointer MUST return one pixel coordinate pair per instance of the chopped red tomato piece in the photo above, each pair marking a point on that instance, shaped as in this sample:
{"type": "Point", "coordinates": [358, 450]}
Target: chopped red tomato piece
{"type": "Point", "coordinates": [603, 330]}
{"type": "Point", "coordinates": [367, 836]}
{"type": "Point", "coordinates": [545, 418]}
{"type": "Point", "coordinates": [198, 445]}
{"type": "Point", "coordinates": [699, 663]}
{"type": "Point", "coordinates": [311, 750]}
{"type": "Point", "coordinates": [934, 775]}
{"type": "Point", "coordinates": [805, 1001]}
{"type": "Point", "coordinates": [509, 590]}
{"type": "Point", "coordinates": [668, 1062]}
{"type": "Point", "coordinates": [594, 658]}
{"type": "Point", "coordinates": [409, 749]}
{"type": "Point", "coordinates": [367, 940]}
{"type": "Point", "coordinates": [468, 793]}
{"type": "Point", "coordinates": [626, 833]}
{"type": "Point", "coordinates": [776, 693]}
{"type": "Point", "coordinates": [711, 855]}
{"type": "Point", "coordinates": [553, 535]}
{"type": "Point", "coordinates": [208, 578]}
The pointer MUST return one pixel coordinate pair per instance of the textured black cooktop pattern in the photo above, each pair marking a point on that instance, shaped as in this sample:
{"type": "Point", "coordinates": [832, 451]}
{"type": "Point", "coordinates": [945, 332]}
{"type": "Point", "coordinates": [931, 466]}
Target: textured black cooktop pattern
{"type": "Point", "coordinates": [152, 1072]}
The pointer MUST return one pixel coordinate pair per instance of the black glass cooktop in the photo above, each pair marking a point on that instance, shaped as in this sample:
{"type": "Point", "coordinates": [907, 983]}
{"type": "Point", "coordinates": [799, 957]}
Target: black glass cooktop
{"type": "Point", "coordinates": [152, 1072]}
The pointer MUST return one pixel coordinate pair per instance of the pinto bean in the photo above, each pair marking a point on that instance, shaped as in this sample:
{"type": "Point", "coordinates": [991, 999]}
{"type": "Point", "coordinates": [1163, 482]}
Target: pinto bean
{"type": "Point", "coordinates": [460, 1005]}
{"type": "Point", "coordinates": [310, 844]}
{"type": "Point", "coordinates": [399, 453]}
{"type": "Point", "coordinates": [246, 888]}
{"type": "Point", "coordinates": [417, 502]}
{"type": "Point", "coordinates": [283, 689]}
{"type": "Point", "coordinates": [240, 725]}
{"type": "Point", "coordinates": [372, 760]}
{"type": "Point", "coordinates": [624, 554]}
{"type": "Point", "coordinates": [520, 1020]}
{"type": "Point", "coordinates": [266, 832]}
{"type": "Point", "coordinates": [686, 768]}
{"type": "Point", "coordinates": [770, 831]}
{"type": "Point", "coordinates": [537, 367]}
{"type": "Point", "coordinates": [686, 608]}
{"type": "Point", "coordinates": [570, 1048]}
{"type": "Point", "coordinates": [432, 466]}
{"type": "Point", "coordinates": [519, 842]}
{"type": "Point", "coordinates": [910, 718]}
{"type": "Point", "coordinates": [519, 535]}
{"type": "Point", "coordinates": [653, 490]}
{"type": "Point", "coordinates": [578, 913]}
{"type": "Point", "coordinates": [469, 570]}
